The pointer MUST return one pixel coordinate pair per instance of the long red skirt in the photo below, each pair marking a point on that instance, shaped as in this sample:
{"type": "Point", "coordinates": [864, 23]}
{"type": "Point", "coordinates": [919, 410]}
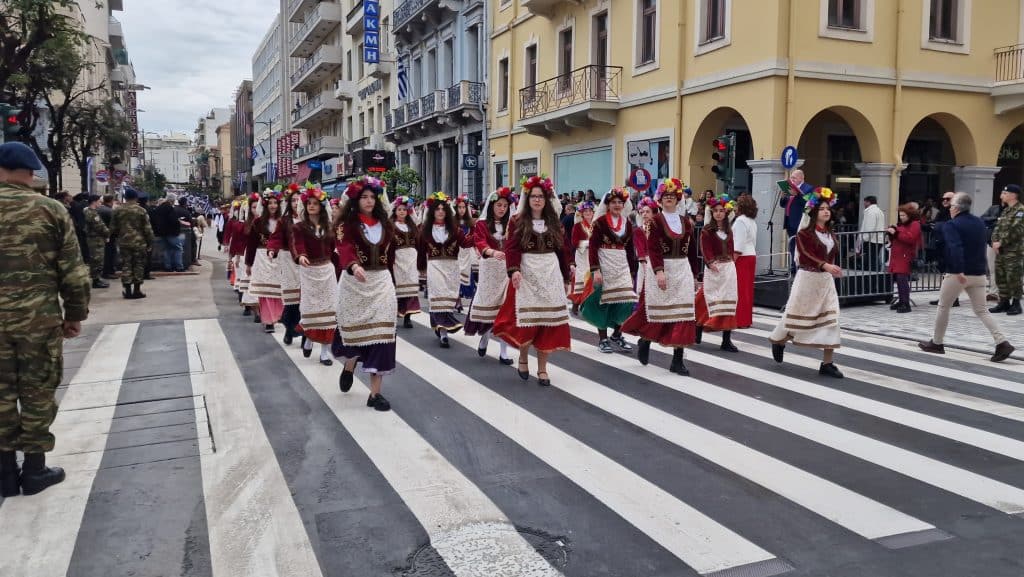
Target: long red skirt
{"type": "Point", "coordinates": [681, 334]}
{"type": "Point", "coordinates": [271, 310]}
{"type": "Point", "coordinates": [746, 267]}
{"type": "Point", "coordinates": [322, 336]}
{"type": "Point", "coordinates": [544, 339]}
{"type": "Point", "coordinates": [710, 323]}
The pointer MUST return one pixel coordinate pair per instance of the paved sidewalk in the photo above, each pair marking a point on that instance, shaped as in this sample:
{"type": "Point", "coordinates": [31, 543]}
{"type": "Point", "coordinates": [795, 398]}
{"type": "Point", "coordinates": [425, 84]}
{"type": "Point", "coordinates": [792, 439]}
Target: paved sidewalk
{"type": "Point", "coordinates": [965, 330]}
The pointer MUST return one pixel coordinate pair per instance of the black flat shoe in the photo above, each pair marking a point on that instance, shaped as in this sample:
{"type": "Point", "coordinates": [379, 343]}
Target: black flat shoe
{"type": "Point", "coordinates": [543, 381]}
{"type": "Point", "coordinates": [268, 328]}
{"type": "Point", "coordinates": [525, 375]}
{"type": "Point", "coordinates": [482, 352]}
{"type": "Point", "coordinates": [778, 351]}
{"type": "Point", "coordinates": [506, 362]}
{"type": "Point", "coordinates": [247, 312]}
{"type": "Point", "coordinates": [728, 347]}
{"type": "Point", "coordinates": [680, 369]}
{"type": "Point", "coordinates": [345, 380]}
{"type": "Point", "coordinates": [643, 351]}
{"type": "Point", "coordinates": [378, 402]}
{"type": "Point", "coordinates": [829, 370]}
{"type": "Point", "coordinates": [407, 323]}
{"type": "Point", "coordinates": [288, 338]}
{"type": "Point", "coordinates": [307, 352]}
{"type": "Point", "coordinates": [326, 362]}
{"type": "Point", "coordinates": [445, 344]}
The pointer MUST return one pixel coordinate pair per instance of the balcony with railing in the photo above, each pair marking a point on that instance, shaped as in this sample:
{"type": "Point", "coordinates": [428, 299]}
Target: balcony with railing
{"type": "Point", "coordinates": [546, 8]}
{"type": "Point", "coordinates": [382, 68]}
{"type": "Point", "coordinates": [409, 13]}
{"type": "Point", "coordinates": [297, 9]}
{"type": "Point", "coordinates": [316, 110]}
{"type": "Point", "coordinates": [319, 22]}
{"type": "Point", "coordinates": [116, 32]}
{"type": "Point", "coordinates": [576, 99]}
{"type": "Point", "coordinates": [345, 89]}
{"type": "Point", "coordinates": [315, 69]}
{"type": "Point", "coordinates": [455, 103]}
{"type": "Point", "coordinates": [322, 147]}
{"type": "Point", "coordinates": [354, 19]}
{"type": "Point", "coordinates": [1008, 89]}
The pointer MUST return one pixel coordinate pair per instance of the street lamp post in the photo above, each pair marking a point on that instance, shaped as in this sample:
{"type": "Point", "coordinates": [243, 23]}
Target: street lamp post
{"type": "Point", "coordinates": [270, 129]}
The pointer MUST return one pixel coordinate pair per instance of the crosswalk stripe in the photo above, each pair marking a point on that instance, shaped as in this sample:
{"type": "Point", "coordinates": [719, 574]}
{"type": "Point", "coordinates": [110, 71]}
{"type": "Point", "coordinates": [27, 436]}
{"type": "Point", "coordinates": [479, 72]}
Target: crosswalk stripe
{"type": "Point", "coordinates": [1011, 364]}
{"type": "Point", "coordinates": [968, 377]}
{"type": "Point", "coordinates": [48, 523]}
{"type": "Point", "coordinates": [254, 526]}
{"type": "Point", "coordinates": [702, 543]}
{"type": "Point", "coordinates": [802, 358]}
{"type": "Point", "coordinates": [472, 535]}
{"type": "Point", "coordinates": [853, 511]}
{"type": "Point", "coordinates": [992, 493]}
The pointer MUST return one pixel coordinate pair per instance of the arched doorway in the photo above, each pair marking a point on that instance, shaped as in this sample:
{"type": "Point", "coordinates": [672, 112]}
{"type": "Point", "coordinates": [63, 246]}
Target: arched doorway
{"type": "Point", "coordinates": [936, 145]}
{"type": "Point", "coordinates": [1011, 162]}
{"type": "Point", "coordinates": [719, 122]}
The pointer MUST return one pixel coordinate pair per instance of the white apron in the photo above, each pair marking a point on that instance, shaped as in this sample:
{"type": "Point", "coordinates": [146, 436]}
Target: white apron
{"type": "Point", "coordinates": [618, 282]}
{"type": "Point", "coordinates": [407, 278]}
{"type": "Point", "coordinates": [675, 304]}
{"type": "Point", "coordinates": [582, 266]}
{"type": "Point", "coordinates": [241, 279]}
{"type": "Point", "coordinates": [720, 289]}
{"type": "Point", "coordinates": [266, 277]}
{"type": "Point", "coordinates": [540, 298]}
{"type": "Point", "coordinates": [289, 272]}
{"type": "Point", "coordinates": [811, 318]}
{"type": "Point", "coordinates": [442, 284]}
{"type": "Point", "coordinates": [490, 291]}
{"type": "Point", "coordinates": [467, 262]}
{"type": "Point", "coordinates": [366, 314]}
{"type": "Point", "coordinates": [319, 295]}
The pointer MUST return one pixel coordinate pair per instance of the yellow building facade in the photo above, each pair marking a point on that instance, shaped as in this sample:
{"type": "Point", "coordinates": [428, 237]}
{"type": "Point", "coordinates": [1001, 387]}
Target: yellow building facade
{"type": "Point", "coordinates": [900, 99]}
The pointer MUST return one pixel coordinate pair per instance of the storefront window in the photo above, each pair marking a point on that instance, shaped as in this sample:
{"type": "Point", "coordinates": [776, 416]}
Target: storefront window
{"type": "Point", "coordinates": [526, 167]}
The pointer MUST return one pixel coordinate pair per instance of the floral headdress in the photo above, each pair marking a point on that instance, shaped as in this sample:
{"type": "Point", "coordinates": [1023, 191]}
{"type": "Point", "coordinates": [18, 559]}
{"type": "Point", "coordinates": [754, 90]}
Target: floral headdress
{"type": "Point", "coordinates": [269, 193]}
{"type": "Point", "coordinates": [408, 201]}
{"type": "Point", "coordinates": [505, 193]}
{"type": "Point", "coordinates": [313, 192]}
{"type": "Point", "coordinates": [614, 193]}
{"type": "Point", "coordinates": [730, 205]}
{"type": "Point", "coordinates": [356, 187]}
{"type": "Point", "coordinates": [586, 205]}
{"type": "Point", "coordinates": [672, 186]}
{"type": "Point", "coordinates": [544, 183]}
{"type": "Point", "coordinates": [439, 197]}
{"type": "Point", "coordinates": [335, 202]}
{"type": "Point", "coordinates": [648, 202]}
{"type": "Point", "coordinates": [818, 196]}
{"type": "Point", "coordinates": [293, 188]}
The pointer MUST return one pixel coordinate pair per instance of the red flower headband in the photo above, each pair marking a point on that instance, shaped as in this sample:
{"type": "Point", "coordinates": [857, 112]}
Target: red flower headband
{"type": "Point", "coordinates": [503, 193]}
{"type": "Point", "coordinates": [543, 182]}
{"type": "Point", "coordinates": [617, 193]}
{"type": "Point", "coordinates": [356, 187]}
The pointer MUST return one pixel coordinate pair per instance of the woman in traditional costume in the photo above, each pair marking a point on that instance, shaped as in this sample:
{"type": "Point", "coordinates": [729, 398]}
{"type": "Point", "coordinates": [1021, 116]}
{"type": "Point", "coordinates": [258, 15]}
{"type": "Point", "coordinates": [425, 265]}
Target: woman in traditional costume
{"type": "Point", "coordinates": [229, 226]}
{"type": "Point", "coordinates": [811, 317]}
{"type": "Point", "coordinates": [366, 311]}
{"type": "Point", "coordinates": [407, 276]}
{"type": "Point", "coordinates": [716, 300]}
{"type": "Point", "coordinates": [665, 313]}
{"type": "Point", "coordinates": [609, 295]}
{"type": "Point", "coordinates": [646, 212]}
{"type": "Point", "coordinates": [580, 255]}
{"type": "Point", "coordinates": [534, 312]}
{"type": "Point", "coordinates": [744, 235]}
{"type": "Point", "coordinates": [280, 249]}
{"type": "Point", "coordinates": [239, 241]}
{"type": "Point", "coordinates": [489, 237]}
{"type": "Point", "coordinates": [313, 242]}
{"type": "Point", "coordinates": [265, 278]}
{"type": "Point", "coordinates": [439, 245]}
{"type": "Point", "coordinates": [468, 257]}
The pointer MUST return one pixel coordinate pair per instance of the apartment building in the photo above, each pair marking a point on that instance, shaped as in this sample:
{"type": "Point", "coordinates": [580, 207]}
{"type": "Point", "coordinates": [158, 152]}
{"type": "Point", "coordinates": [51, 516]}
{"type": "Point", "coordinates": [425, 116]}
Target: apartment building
{"type": "Point", "coordinates": [205, 143]}
{"type": "Point", "coordinates": [242, 138]}
{"type": "Point", "coordinates": [437, 121]}
{"type": "Point", "coordinates": [900, 99]}
{"type": "Point", "coordinates": [269, 102]}
{"type": "Point", "coordinates": [170, 154]}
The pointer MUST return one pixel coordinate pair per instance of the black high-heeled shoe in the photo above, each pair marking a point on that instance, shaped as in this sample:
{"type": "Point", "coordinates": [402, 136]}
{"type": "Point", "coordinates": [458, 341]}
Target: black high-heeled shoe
{"type": "Point", "coordinates": [525, 375]}
{"type": "Point", "coordinates": [543, 381]}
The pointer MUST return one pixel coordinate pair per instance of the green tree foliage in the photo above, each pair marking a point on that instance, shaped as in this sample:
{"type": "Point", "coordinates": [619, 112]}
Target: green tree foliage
{"type": "Point", "coordinates": [25, 27]}
{"type": "Point", "coordinates": [402, 180]}
{"type": "Point", "coordinates": [92, 127]}
{"type": "Point", "coordinates": [152, 181]}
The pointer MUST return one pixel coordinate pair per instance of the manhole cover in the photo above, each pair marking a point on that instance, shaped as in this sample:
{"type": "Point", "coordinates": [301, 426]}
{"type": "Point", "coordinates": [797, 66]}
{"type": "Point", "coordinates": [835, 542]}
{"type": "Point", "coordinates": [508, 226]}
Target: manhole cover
{"type": "Point", "coordinates": [489, 549]}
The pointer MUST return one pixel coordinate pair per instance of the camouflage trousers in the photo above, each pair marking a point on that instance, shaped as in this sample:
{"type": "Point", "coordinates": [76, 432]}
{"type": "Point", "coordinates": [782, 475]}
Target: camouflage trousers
{"type": "Point", "coordinates": [31, 368]}
{"type": "Point", "coordinates": [97, 250]}
{"type": "Point", "coordinates": [1009, 271]}
{"type": "Point", "coordinates": [133, 264]}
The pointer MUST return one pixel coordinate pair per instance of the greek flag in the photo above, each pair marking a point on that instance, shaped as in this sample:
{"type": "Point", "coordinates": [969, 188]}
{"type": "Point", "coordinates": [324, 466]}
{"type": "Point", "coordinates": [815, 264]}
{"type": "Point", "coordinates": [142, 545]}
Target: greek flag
{"type": "Point", "coordinates": [255, 153]}
{"type": "Point", "coordinates": [403, 80]}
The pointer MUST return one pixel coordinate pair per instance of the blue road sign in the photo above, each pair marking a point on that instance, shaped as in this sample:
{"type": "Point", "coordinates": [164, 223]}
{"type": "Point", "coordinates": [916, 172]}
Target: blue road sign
{"type": "Point", "coordinates": [371, 31]}
{"type": "Point", "coordinates": [789, 157]}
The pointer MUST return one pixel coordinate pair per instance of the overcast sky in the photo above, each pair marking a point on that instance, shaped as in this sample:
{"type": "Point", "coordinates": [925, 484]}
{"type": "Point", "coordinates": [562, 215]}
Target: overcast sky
{"type": "Point", "coordinates": [192, 53]}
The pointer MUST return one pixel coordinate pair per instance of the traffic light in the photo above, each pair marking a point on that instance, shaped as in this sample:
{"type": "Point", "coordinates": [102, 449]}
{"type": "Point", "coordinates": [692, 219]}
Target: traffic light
{"type": "Point", "coordinates": [10, 117]}
{"type": "Point", "coordinates": [724, 156]}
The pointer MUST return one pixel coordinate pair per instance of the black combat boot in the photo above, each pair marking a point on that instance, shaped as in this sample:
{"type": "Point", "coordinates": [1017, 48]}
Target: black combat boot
{"type": "Point", "coordinates": [677, 365]}
{"type": "Point", "coordinates": [727, 343]}
{"type": "Point", "coordinates": [10, 482]}
{"type": "Point", "coordinates": [127, 291]}
{"type": "Point", "coordinates": [643, 351]}
{"type": "Point", "coordinates": [1002, 307]}
{"type": "Point", "coordinates": [137, 291]}
{"type": "Point", "coordinates": [100, 283]}
{"type": "Point", "coordinates": [1014, 308]}
{"type": "Point", "coordinates": [700, 334]}
{"type": "Point", "coordinates": [36, 476]}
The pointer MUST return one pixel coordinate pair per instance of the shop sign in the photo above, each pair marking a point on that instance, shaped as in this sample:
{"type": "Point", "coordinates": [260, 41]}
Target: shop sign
{"type": "Point", "coordinates": [371, 31]}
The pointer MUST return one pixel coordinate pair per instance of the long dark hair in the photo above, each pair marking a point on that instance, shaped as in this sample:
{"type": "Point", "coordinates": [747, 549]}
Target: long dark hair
{"type": "Point", "coordinates": [467, 219]}
{"type": "Point", "coordinates": [323, 219]}
{"type": "Point", "coordinates": [450, 224]}
{"type": "Point", "coordinates": [261, 222]}
{"type": "Point", "coordinates": [350, 213]}
{"type": "Point", "coordinates": [491, 218]}
{"type": "Point", "coordinates": [813, 215]}
{"type": "Point", "coordinates": [408, 222]}
{"type": "Point", "coordinates": [524, 221]}
{"type": "Point", "coordinates": [712, 225]}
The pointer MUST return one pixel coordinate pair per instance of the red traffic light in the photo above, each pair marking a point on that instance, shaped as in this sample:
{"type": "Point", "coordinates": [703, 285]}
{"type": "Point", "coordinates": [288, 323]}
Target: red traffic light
{"type": "Point", "coordinates": [719, 144]}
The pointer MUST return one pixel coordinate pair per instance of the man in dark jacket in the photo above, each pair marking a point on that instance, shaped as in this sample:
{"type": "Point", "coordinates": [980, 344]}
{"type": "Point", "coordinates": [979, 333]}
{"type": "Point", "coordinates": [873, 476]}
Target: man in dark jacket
{"type": "Point", "coordinates": [167, 229]}
{"type": "Point", "coordinates": [792, 204]}
{"type": "Point", "coordinates": [964, 243]}
{"type": "Point", "coordinates": [935, 250]}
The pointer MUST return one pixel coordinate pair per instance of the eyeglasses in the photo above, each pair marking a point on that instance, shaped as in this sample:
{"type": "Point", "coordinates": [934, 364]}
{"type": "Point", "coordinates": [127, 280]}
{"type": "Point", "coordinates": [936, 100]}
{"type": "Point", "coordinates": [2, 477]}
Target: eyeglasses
{"type": "Point", "coordinates": [536, 197]}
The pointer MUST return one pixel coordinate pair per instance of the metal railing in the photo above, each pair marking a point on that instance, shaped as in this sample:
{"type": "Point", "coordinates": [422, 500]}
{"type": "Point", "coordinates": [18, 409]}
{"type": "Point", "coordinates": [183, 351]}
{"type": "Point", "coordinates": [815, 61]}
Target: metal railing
{"type": "Point", "coordinates": [1010, 63]}
{"type": "Point", "coordinates": [309, 63]}
{"type": "Point", "coordinates": [408, 10]}
{"type": "Point", "coordinates": [388, 123]}
{"type": "Point", "coordinates": [591, 83]}
{"type": "Point", "coordinates": [465, 92]}
{"type": "Point", "coordinates": [428, 104]}
{"type": "Point", "coordinates": [413, 110]}
{"type": "Point", "coordinates": [308, 108]}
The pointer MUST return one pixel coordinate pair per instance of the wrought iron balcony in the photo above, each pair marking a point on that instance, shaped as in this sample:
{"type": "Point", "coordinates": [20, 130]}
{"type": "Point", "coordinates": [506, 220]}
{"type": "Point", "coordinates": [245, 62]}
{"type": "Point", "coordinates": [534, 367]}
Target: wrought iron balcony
{"type": "Point", "coordinates": [298, 8]}
{"type": "Point", "coordinates": [412, 110]}
{"type": "Point", "coordinates": [575, 99]}
{"type": "Point", "coordinates": [359, 143]}
{"type": "Point", "coordinates": [316, 110]}
{"type": "Point", "coordinates": [318, 24]}
{"type": "Point", "coordinates": [407, 12]}
{"type": "Point", "coordinates": [316, 68]}
{"type": "Point", "coordinates": [1008, 90]}
{"type": "Point", "coordinates": [388, 122]}
{"type": "Point", "coordinates": [466, 93]}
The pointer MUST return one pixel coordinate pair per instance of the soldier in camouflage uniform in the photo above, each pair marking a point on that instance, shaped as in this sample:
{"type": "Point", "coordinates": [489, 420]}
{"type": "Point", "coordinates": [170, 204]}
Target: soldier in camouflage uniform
{"type": "Point", "coordinates": [130, 226]}
{"type": "Point", "coordinates": [39, 261]}
{"type": "Point", "coordinates": [1008, 242]}
{"type": "Point", "coordinates": [97, 233]}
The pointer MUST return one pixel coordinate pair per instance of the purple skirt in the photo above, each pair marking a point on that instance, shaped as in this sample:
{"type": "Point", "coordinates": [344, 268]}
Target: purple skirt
{"type": "Point", "coordinates": [446, 321]}
{"type": "Point", "coordinates": [378, 358]}
{"type": "Point", "coordinates": [474, 328]}
{"type": "Point", "coordinates": [408, 306]}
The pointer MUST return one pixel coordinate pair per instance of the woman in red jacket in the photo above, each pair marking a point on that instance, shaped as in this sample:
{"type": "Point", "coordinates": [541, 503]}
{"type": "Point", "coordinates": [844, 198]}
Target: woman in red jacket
{"type": "Point", "coordinates": [715, 302]}
{"type": "Point", "coordinates": [492, 282]}
{"type": "Point", "coordinates": [904, 239]}
{"type": "Point", "coordinates": [313, 241]}
{"type": "Point", "coordinates": [578, 252]}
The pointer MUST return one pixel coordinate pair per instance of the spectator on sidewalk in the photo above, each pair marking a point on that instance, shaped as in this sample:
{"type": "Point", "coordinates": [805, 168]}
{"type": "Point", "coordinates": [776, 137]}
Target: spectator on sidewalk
{"type": "Point", "coordinates": [872, 235]}
{"type": "Point", "coordinates": [97, 234]}
{"type": "Point", "coordinates": [44, 301]}
{"type": "Point", "coordinates": [905, 238]}
{"type": "Point", "coordinates": [106, 211]}
{"type": "Point", "coordinates": [187, 221]}
{"type": "Point", "coordinates": [793, 203]}
{"type": "Point", "coordinates": [130, 226]}
{"type": "Point", "coordinates": [1008, 244]}
{"type": "Point", "coordinates": [935, 251]}
{"type": "Point", "coordinates": [990, 218]}
{"type": "Point", "coordinates": [964, 243]}
{"type": "Point", "coordinates": [167, 228]}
